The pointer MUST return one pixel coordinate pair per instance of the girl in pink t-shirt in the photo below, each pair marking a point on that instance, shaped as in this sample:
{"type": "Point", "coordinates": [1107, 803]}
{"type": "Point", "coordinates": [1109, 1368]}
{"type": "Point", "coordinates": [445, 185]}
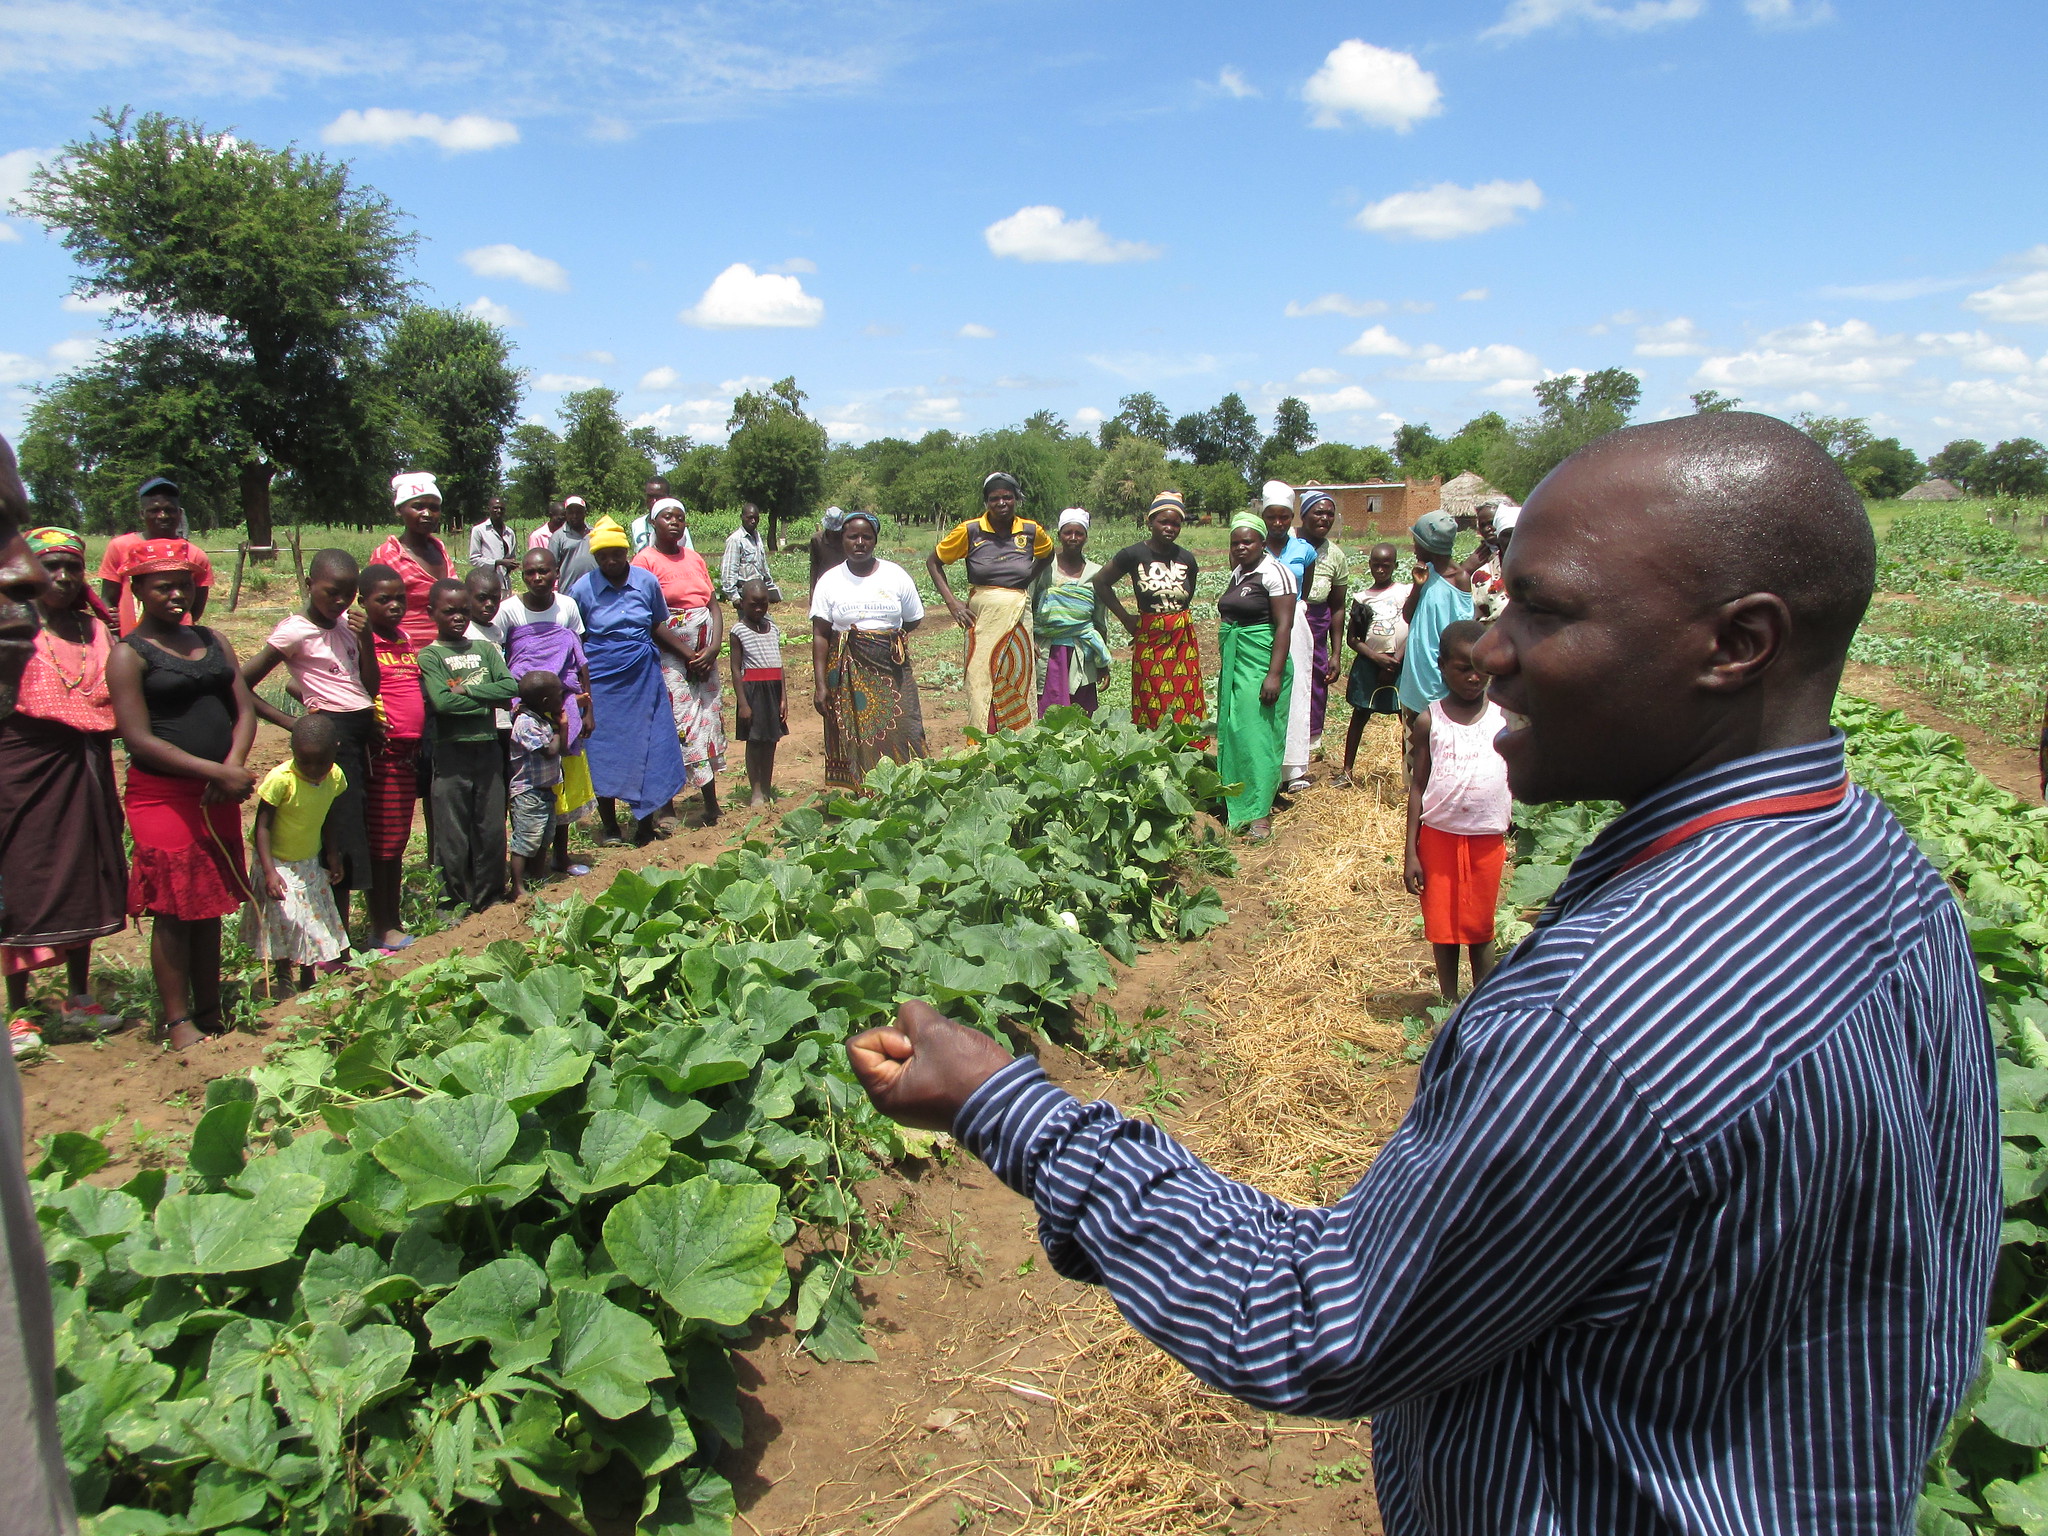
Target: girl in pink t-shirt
{"type": "Point", "coordinates": [330, 677]}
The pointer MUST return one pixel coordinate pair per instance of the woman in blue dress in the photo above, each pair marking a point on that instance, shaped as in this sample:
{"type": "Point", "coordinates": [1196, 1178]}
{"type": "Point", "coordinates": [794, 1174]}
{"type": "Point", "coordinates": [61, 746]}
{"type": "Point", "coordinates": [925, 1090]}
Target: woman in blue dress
{"type": "Point", "coordinates": [633, 753]}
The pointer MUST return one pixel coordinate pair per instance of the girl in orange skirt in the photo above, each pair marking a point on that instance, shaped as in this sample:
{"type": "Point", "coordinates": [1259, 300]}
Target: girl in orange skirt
{"type": "Point", "coordinates": [1459, 809]}
{"type": "Point", "coordinates": [187, 719]}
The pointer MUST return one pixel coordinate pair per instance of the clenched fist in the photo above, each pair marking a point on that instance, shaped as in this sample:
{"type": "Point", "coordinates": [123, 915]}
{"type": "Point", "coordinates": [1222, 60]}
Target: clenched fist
{"type": "Point", "coordinates": [927, 1067]}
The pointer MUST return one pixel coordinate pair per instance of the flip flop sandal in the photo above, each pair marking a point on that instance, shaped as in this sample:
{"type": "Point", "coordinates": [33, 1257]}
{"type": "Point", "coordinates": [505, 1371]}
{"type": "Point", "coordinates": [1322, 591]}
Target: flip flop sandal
{"type": "Point", "coordinates": [576, 870]}
{"type": "Point", "coordinates": [611, 840]}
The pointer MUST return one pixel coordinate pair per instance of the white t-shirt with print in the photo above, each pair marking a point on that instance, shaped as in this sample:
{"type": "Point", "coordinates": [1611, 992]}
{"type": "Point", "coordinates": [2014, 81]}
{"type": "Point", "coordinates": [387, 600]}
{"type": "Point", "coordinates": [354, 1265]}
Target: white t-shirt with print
{"type": "Point", "coordinates": [885, 598]}
{"type": "Point", "coordinates": [1385, 629]}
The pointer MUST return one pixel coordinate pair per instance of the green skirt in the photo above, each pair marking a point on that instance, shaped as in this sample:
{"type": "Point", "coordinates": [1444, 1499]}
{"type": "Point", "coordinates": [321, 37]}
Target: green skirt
{"type": "Point", "coordinates": [1250, 736]}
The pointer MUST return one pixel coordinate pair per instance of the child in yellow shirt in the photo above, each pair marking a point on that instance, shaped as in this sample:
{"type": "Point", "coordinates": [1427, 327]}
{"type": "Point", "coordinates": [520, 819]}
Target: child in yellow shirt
{"type": "Point", "coordinates": [293, 920]}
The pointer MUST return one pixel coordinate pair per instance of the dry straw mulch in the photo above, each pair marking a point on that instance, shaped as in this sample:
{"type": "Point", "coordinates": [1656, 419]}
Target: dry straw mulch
{"type": "Point", "coordinates": [1305, 1036]}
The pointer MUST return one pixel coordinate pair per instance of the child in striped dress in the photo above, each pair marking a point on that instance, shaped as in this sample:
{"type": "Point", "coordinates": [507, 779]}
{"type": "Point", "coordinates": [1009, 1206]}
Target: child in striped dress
{"type": "Point", "coordinates": [763, 716]}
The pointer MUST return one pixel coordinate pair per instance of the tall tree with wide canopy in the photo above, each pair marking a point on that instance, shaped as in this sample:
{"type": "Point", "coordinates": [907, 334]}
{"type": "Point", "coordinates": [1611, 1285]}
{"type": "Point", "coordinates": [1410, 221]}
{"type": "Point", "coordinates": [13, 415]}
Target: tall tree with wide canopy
{"type": "Point", "coordinates": [775, 457]}
{"type": "Point", "coordinates": [266, 273]}
{"type": "Point", "coordinates": [455, 396]}
{"type": "Point", "coordinates": [598, 459]}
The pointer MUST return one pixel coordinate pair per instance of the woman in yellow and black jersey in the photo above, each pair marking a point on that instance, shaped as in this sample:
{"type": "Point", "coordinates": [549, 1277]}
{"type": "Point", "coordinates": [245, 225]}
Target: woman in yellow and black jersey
{"type": "Point", "coordinates": [1004, 554]}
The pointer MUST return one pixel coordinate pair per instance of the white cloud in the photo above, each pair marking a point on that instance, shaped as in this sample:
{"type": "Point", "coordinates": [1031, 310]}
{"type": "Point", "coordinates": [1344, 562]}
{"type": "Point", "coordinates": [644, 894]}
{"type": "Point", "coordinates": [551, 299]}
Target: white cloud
{"type": "Point", "coordinates": [1999, 359]}
{"type": "Point", "coordinates": [1474, 296]}
{"type": "Point", "coordinates": [1475, 364]}
{"type": "Point", "coordinates": [1377, 341]}
{"type": "Point", "coordinates": [845, 429]}
{"type": "Point", "coordinates": [745, 382]}
{"type": "Point", "coordinates": [16, 167]}
{"type": "Point", "coordinates": [555, 383]}
{"type": "Point", "coordinates": [1447, 210]}
{"type": "Point", "coordinates": [1315, 376]}
{"type": "Point", "coordinates": [1042, 232]}
{"type": "Point", "coordinates": [1377, 86]}
{"type": "Point", "coordinates": [934, 408]}
{"type": "Point", "coordinates": [1774, 368]}
{"type": "Point", "coordinates": [1781, 14]}
{"type": "Point", "coordinates": [663, 377]}
{"type": "Point", "coordinates": [9, 235]}
{"type": "Point", "coordinates": [1088, 416]}
{"type": "Point", "coordinates": [61, 37]}
{"type": "Point", "coordinates": [1417, 306]}
{"type": "Point", "coordinates": [78, 304]}
{"type": "Point", "coordinates": [517, 265]}
{"type": "Point", "coordinates": [1231, 82]}
{"type": "Point", "coordinates": [740, 298]}
{"type": "Point", "coordinates": [1152, 365]}
{"type": "Point", "coordinates": [72, 352]}
{"type": "Point", "coordinates": [387, 126]}
{"type": "Point", "coordinates": [877, 328]}
{"type": "Point", "coordinates": [487, 308]}
{"type": "Point", "coordinates": [795, 264]}
{"type": "Point", "coordinates": [1669, 338]}
{"type": "Point", "coordinates": [1351, 397]}
{"type": "Point", "coordinates": [975, 332]}
{"type": "Point", "coordinates": [1526, 16]}
{"type": "Point", "coordinates": [2021, 300]}
{"type": "Point", "coordinates": [1503, 388]}
{"type": "Point", "coordinates": [1892, 292]}
{"type": "Point", "coordinates": [1336, 304]}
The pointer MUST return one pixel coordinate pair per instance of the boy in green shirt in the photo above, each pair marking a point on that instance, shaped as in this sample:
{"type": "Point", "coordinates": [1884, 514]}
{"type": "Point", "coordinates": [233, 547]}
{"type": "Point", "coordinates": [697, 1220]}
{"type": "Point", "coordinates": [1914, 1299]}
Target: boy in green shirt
{"type": "Point", "coordinates": [465, 681]}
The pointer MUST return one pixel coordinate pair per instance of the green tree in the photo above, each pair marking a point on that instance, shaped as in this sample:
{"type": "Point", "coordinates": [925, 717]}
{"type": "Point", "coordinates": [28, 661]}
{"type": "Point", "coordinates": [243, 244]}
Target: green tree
{"type": "Point", "coordinates": [1213, 490]}
{"type": "Point", "coordinates": [2016, 467]}
{"type": "Point", "coordinates": [1139, 415]}
{"type": "Point", "coordinates": [698, 479]}
{"type": "Point", "coordinates": [1711, 402]}
{"type": "Point", "coordinates": [268, 271]}
{"type": "Point", "coordinates": [1130, 474]}
{"type": "Point", "coordinates": [664, 450]}
{"type": "Point", "coordinates": [937, 487]}
{"type": "Point", "coordinates": [1415, 448]}
{"type": "Point", "coordinates": [1570, 413]}
{"type": "Point", "coordinates": [776, 455]}
{"type": "Point", "coordinates": [1884, 469]}
{"type": "Point", "coordinates": [457, 396]}
{"type": "Point", "coordinates": [1471, 446]}
{"type": "Point", "coordinates": [536, 454]}
{"type": "Point", "coordinates": [1335, 464]}
{"type": "Point", "coordinates": [1293, 431]}
{"type": "Point", "coordinates": [1840, 437]}
{"type": "Point", "coordinates": [95, 434]}
{"type": "Point", "coordinates": [1957, 462]}
{"type": "Point", "coordinates": [598, 461]}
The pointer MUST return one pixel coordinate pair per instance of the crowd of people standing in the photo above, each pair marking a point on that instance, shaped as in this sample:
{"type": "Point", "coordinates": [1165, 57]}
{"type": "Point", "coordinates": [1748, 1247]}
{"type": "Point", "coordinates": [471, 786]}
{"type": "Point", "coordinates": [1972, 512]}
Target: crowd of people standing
{"type": "Point", "coordinates": [575, 673]}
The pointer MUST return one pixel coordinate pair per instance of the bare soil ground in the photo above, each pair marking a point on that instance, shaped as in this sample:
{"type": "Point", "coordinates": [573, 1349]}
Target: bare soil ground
{"type": "Point", "coordinates": [2009, 767]}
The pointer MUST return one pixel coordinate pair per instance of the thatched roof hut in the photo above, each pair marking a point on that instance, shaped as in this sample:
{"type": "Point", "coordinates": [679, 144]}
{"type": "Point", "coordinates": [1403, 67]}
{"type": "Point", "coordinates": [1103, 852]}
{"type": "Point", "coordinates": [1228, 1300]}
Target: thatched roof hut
{"type": "Point", "coordinates": [1936, 489]}
{"type": "Point", "coordinates": [1462, 494]}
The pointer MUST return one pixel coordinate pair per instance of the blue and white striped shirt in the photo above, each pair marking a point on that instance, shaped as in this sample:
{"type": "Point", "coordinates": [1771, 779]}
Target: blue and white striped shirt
{"type": "Point", "coordinates": [1690, 1228]}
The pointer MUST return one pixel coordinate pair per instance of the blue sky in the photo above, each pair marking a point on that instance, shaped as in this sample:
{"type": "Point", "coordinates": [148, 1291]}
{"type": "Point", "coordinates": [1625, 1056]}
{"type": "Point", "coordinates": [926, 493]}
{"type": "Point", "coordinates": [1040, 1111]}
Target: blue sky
{"type": "Point", "coordinates": [954, 215]}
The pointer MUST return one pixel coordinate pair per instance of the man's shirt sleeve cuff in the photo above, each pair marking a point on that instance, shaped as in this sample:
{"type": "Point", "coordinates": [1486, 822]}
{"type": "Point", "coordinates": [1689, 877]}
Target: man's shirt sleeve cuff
{"type": "Point", "coordinates": [1005, 1116]}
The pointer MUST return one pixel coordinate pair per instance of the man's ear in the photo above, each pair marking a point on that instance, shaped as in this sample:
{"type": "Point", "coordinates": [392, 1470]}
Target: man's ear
{"type": "Point", "coordinates": [1750, 634]}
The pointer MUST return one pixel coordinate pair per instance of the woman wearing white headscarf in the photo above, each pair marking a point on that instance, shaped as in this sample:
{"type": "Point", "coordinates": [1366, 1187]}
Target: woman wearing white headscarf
{"type": "Point", "coordinates": [1276, 506]}
{"type": "Point", "coordinates": [1067, 619]}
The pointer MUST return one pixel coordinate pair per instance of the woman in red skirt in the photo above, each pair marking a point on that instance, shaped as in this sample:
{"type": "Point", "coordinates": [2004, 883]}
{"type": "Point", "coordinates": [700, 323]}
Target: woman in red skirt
{"type": "Point", "coordinates": [187, 719]}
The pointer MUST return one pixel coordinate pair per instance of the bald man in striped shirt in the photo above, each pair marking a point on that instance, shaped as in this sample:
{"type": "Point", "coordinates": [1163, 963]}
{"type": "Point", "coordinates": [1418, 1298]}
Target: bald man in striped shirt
{"type": "Point", "coordinates": [1692, 1223]}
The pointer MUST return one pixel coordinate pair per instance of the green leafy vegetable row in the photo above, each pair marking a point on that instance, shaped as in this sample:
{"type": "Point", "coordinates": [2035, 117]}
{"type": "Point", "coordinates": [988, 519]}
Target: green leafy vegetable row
{"type": "Point", "coordinates": [485, 1249]}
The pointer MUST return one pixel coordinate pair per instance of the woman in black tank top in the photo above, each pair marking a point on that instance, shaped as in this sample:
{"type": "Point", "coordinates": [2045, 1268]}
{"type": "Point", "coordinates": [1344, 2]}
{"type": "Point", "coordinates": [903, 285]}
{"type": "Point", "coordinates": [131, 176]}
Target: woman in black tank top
{"type": "Point", "coordinates": [187, 720]}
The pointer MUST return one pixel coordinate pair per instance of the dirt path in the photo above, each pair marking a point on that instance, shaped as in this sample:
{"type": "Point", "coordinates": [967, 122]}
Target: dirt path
{"type": "Point", "coordinates": [1007, 1399]}
{"type": "Point", "coordinates": [2009, 767]}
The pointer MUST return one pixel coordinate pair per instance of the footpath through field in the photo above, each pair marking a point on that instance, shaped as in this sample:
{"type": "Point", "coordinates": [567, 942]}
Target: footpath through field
{"type": "Point", "coordinates": [1006, 1399]}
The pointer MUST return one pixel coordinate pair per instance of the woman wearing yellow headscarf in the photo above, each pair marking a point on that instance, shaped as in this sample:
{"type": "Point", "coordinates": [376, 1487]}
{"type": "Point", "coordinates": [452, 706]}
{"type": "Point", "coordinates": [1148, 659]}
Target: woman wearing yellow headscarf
{"type": "Point", "coordinates": [633, 752]}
